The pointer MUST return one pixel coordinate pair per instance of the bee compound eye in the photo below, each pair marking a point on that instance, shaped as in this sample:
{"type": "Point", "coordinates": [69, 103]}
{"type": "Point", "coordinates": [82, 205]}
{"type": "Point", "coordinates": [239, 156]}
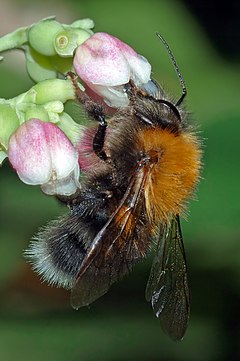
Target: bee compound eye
{"type": "Point", "coordinates": [170, 106]}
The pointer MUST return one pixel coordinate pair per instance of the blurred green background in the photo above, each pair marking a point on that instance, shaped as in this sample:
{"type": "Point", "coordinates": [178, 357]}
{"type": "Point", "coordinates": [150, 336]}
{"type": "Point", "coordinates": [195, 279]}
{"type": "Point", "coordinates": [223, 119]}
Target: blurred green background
{"type": "Point", "coordinates": [36, 321]}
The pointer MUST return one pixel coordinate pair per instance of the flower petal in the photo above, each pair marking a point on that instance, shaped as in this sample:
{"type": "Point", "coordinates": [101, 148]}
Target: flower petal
{"type": "Point", "coordinates": [99, 61]}
{"type": "Point", "coordinates": [63, 154]}
{"type": "Point", "coordinates": [42, 154]}
{"type": "Point", "coordinates": [113, 96]}
{"type": "Point", "coordinates": [29, 154]}
{"type": "Point", "coordinates": [64, 186]}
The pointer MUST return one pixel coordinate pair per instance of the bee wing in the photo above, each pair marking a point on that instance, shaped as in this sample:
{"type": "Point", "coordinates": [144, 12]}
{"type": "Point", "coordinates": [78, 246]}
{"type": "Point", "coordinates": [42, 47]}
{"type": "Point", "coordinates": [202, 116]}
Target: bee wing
{"type": "Point", "coordinates": [114, 250]}
{"type": "Point", "coordinates": [167, 287]}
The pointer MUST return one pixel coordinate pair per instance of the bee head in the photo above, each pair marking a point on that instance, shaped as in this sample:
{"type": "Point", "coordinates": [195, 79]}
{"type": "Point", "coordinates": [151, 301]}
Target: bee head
{"type": "Point", "coordinates": [158, 113]}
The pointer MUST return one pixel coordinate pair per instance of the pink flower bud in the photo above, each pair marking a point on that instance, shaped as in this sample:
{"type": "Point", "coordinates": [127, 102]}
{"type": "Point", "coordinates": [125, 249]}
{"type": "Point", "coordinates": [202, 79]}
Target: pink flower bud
{"type": "Point", "coordinates": [42, 154]}
{"type": "Point", "coordinates": [105, 64]}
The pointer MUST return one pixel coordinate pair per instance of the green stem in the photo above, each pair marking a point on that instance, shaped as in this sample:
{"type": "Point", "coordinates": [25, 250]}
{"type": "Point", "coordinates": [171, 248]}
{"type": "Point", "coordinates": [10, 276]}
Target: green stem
{"type": "Point", "coordinates": [14, 40]}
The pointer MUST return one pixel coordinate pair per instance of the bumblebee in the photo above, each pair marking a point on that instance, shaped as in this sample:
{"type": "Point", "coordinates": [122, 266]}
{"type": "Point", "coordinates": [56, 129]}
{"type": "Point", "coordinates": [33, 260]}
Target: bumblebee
{"type": "Point", "coordinates": [143, 166]}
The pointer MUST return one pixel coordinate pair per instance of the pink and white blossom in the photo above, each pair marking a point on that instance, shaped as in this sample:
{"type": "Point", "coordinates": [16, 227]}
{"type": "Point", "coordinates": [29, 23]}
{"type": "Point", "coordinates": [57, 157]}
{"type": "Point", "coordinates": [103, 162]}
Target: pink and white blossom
{"type": "Point", "coordinates": [106, 64]}
{"type": "Point", "coordinates": [42, 155]}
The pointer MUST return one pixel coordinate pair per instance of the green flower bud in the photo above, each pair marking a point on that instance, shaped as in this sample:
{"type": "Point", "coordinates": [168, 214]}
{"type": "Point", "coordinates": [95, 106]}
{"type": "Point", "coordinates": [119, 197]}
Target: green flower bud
{"type": "Point", "coordinates": [53, 89]}
{"type": "Point", "coordinates": [38, 73]}
{"type": "Point", "coordinates": [39, 67]}
{"type": "Point", "coordinates": [44, 101]}
{"type": "Point", "coordinates": [9, 122]}
{"type": "Point", "coordinates": [41, 36]}
{"type": "Point", "coordinates": [68, 40]}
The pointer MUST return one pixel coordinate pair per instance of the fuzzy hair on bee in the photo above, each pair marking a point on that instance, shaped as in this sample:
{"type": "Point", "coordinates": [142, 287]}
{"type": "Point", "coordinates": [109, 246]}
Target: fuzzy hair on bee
{"type": "Point", "coordinates": [143, 165]}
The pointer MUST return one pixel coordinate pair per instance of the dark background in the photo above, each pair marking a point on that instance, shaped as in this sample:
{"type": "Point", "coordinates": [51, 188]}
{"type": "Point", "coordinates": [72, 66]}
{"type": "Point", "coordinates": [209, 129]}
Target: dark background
{"type": "Point", "coordinates": [36, 321]}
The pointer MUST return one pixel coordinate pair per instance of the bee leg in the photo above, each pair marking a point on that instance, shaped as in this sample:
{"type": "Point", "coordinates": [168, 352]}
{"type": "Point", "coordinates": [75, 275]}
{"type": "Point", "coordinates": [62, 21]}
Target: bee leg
{"type": "Point", "coordinates": [95, 110]}
{"type": "Point", "coordinates": [99, 138]}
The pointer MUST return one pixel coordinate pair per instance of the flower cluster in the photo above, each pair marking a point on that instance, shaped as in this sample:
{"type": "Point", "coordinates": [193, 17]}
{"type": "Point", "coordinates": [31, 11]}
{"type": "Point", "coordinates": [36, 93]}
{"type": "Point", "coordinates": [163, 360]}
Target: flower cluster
{"type": "Point", "coordinates": [39, 137]}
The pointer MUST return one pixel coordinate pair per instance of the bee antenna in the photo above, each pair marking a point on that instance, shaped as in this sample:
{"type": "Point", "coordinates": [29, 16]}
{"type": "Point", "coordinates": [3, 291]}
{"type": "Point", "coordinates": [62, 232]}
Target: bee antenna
{"type": "Point", "coordinates": [170, 53]}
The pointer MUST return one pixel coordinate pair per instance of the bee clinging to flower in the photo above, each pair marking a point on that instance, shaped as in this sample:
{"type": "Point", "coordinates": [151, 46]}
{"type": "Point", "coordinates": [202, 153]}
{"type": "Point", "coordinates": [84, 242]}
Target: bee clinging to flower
{"type": "Point", "coordinates": [144, 166]}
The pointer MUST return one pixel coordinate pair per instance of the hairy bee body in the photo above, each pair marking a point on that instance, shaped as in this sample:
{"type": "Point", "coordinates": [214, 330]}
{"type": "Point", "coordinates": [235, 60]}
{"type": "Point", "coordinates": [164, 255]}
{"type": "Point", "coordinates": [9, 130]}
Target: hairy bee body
{"type": "Point", "coordinates": [172, 159]}
{"type": "Point", "coordinates": [131, 195]}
